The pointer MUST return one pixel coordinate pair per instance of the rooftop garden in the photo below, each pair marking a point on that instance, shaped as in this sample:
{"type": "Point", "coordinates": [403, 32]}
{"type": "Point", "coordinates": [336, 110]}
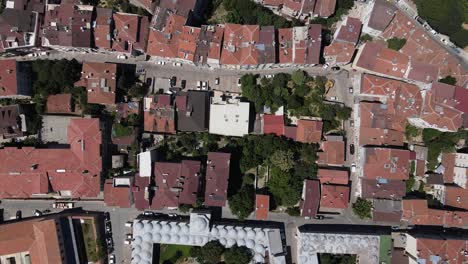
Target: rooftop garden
{"type": "Point", "coordinates": [94, 247]}
{"type": "Point", "coordinates": [173, 254]}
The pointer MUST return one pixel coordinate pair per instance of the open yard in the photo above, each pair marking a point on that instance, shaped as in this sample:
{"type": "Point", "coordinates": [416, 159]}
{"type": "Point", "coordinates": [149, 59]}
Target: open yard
{"type": "Point", "coordinates": [385, 247]}
{"type": "Point", "coordinates": [92, 249]}
{"type": "Point", "coordinates": [173, 254]}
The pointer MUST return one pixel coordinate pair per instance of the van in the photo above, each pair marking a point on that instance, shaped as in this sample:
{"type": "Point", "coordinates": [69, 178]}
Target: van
{"type": "Point", "coordinates": [129, 224]}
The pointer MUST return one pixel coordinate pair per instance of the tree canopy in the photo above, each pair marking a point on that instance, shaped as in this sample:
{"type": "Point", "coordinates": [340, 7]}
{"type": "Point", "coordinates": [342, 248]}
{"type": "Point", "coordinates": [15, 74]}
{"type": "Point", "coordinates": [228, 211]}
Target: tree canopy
{"type": "Point", "coordinates": [237, 255]}
{"type": "Point", "coordinates": [362, 208]}
{"type": "Point", "coordinates": [449, 80]}
{"type": "Point", "coordinates": [242, 203]}
{"type": "Point", "coordinates": [210, 253]}
{"type": "Point", "coordinates": [396, 43]}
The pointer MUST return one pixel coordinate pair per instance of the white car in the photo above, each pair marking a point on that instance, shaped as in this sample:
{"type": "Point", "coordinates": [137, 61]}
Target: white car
{"type": "Point", "coordinates": [161, 62]}
{"type": "Point", "coordinates": [334, 98]}
{"type": "Point", "coordinates": [129, 224]}
{"type": "Point", "coordinates": [44, 53]}
{"type": "Point", "coordinates": [129, 236]}
{"type": "Point", "coordinates": [351, 90]}
{"type": "Point", "coordinates": [122, 57]}
{"type": "Point", "coordinates": [177, 64]}
{"type": "Point", "coordinates": [239, 82]}
{"type": "Point", "coordinates": [269, 76]}
{"type": "Point", "coordinates": [112, 259]}
{"type": "Point", "coordinates": [217, 81]}
{"type": "Point", "coordinates": [325, 66]}
{"type": "Point", "coordinates": [127, 242]}
{"type": "Point", "coordinates": [353, 167]}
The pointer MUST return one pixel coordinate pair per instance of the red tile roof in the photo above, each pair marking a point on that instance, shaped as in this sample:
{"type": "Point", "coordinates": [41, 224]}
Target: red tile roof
{"type": "Point", "coordinates": [350, 31]}
{"type": "Point", "coordinates": [461, 95]}
{"type": "Point", "coordinates": [209, 44]}
{"type": "Point", "coordinates": [333, 153]}
{"type": "Point", "coordinates": [217, 176]}
{"type": "Point", "coordinates": [176, 184]}
{"type": "Point", "coordinates": [309, 131]}
{"type": "Point", "coordinates": [131, 32]}
{"type": "Point", "coordinates": [448, 161]}
{"type": "Point", "coordinates": [456, 197]}
{"type": "Point", "coordinates": [423, 72]}
{"type": "Point", "coordinates": [38, 237]}
{"type": "Point", "coordinates": [273, 124]}
{"type": "Point", "coordinates": [239, 44]}
{"type": "Point", "coordinates": [374, 189]}
{"type": "Point", "coordinates": [59, 104]}
{"type": "Point", "coordinates": [440, 115]}
{"type": "Point", "coordinates": [328, 176]}
{"type": "Point", "coordinates": [102, 28]}
{"type": "Point", "coordinates": [386, 163]}
{"type": "Point", "coordinates": [8, 81]}
{"type": "Point", "coordinates": [334, 196]}
{"type": "Point", "coordinates": [339, 52]}
{"type": "Point", "coordinates": [262, 206]}
{"type": "Point", "coordinates": [325, 8]}
{"type": "Point", "coordinates": [381, 15]}
{"type": "Point", "coordinates": [310, 198]}
{"type": "Point", "coordinates": [285, 43]}
{"type": "Point", "coordinates": [160, 115]}
{"type": "Point", "coordinates": [164, 43]}
{"type": "Point", "coordinates": [73, 171]}
{"type": "Point", "coordinates": [120, 196]}
{"type": "Point", "coordinates": [376, 58]}
{"type": "Point", "coordinates": [188, 42]}
{"type": "Point", "coordinates": [140, 192]}
{"type": "Point", "coordinates": [445, 250]}
{"type": "Point", "coordinates": [100, 80]}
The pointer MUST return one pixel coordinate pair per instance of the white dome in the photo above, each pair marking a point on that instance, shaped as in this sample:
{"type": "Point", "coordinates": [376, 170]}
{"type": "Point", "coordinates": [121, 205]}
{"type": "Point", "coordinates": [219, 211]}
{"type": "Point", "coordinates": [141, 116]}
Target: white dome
{"type": "Point", "coordinates": [222, 241]}
{"type": "Point", "coordinates": [251, 234]}
{"type": "Point", "coordinates": [137, 240]}
{"type": "Point", "coordinates": [232, 233]}
{"type": "Point", "coordinates": [136, 259]}
{"type": "Point", "coordinates": [198, 240]}
{"type": "Point", "coordinates": [148, 237]}
{"type": "Point", "coordinates": [166, 228]}
{"type": "Point", "coordinates": [214, 231]}
{"type": "Point", "coordinates": [259, 249]}
{"type": "Point", "coordinates": [148, 227]}
{"type": "Point", "coordinates": [157, 227]}
{"type": "Point", "coordinates": [184, 229]}
{"type": "Point", "coordinates": [222, 232]}
{"type": "Point", "coordinates": [146, 246]}
{"type": "Point", "coordinates": [166, 238]}
{"type": "Point", "coordinates": [260, 234]}
{"type": "Point", "coordinates": [199, 224]}
{"type": "Point", "coordinates": [146, 254]}
{"type": "Point", "coordinates": [156, 238]}
{"type": "Point", "coordinates": [241, 233]}
{"type": "Point", "coordinates": [184, 239]}
{"type": "Point", "coordinates": [138, 226]}
{"type": "Point", "coordinates": [175, 229]}
{"type": "Point", "coordinates": [241, 242]}
{"type": "Point", "coordinates": [258, 258]}
{"type": "Point", "coordinates": [136, 249]}
{"type": "Point", "coordinates": [249, 243]}
{"type": "Point", "coordinates": [175, 238]}
{"type": "Point", "coordinates": [230, 242]}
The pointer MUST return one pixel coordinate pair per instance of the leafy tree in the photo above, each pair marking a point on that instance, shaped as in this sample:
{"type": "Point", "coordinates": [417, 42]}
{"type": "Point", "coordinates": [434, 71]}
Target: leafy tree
{"type": "Point", "coordinates": [242, 203]}
{"type": "Point", "coordinates": [337, 259]}
{"type": "Point", "coordinates": [286, 190]}
{"type": "Point", "coordinates": [184, 208]}
{"type": "Point", "coordinates": [366, 38]}
{"type": "Point", "coordinates": [449, 80]}
{"type": "Point", "coordinates": [210, 253]}
{"type": "Point", "coordinates": [343, 112]}
{"type": "Point", "coordinates": [138, 90]}
{"type": "Point", "coordinates": [299, 77]}
{"type": "Point", "coordinates": [248, 179]}
{"type": "Point", "coordinates": [283, 159]}
{"type": "Point", "coordinates": [362, 208]}
{"type": "Point", "coordinates": [237, 255]}
{"type": "Point", "coordinates": [411, 131]}
{"type": "Point", "coordinates": [308, 153]}
{"type": "Point", "coordinates": [410, 183]}
{"type": "Point", "coordinates": [396, 43]}
{"type": "Point", "coordinates": [293, 211]}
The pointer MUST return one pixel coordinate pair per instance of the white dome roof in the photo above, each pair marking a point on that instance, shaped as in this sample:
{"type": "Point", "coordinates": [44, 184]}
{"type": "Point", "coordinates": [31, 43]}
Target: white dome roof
{"type": "Point", "coordinates": [138, 226]}
{"type": "Point", "coordinates": [175, 229]}
{"type": "Point", "coordinates": [184, 239]}
{"type": "Point", "coordinates": [146, 254]}
{"type": "Point", "coordinates": [198, 240]}
{"type": "Point", "coordinates": [184, 229]}
{"type": "Point", "coordinates": [241, 242]}
{"type": "Point", "coordinates": [175, 238]}
{"type": "Point", "coordinates": [241, 233]}
{"type": "Point", "coordinates": [166, 228]}
{"type": "Point", "coordinates": [214, 231]}
{"type": "Point", "coordinates": [260, 234]}
{"type": "Point", "coordinates": [148, 236]}
{"type": "Point", "coordinates": [148, 227]}
{"type": "Point", "coordinates": [199, 224]}
{"type": "Point", "coordinates": [157, 227]}
{"type": "Point", "coordinates": [230, 242]}
{"type": "Point", "coordinates": [137, 240]}
{"type": "Point", "coordinates": [258, 258]}
{"type": "Point", "coordinates": [259, 249]}
{"type": "Point", "coordinates": [251, 234]}
{"type": "Point", "coordinates": [156, 237]}
{"type": "Point", "coordinates": [222, 241]}
{"type": "Point", "coordinates": [249, 243]}
{"type": "Point", "coordinates": [232, 233]}
{"type": "Point", "coordinates": [222, 232]}
{"type": "Point", "coordinates": [146, 246]}
{"type": "Point", "coordinates": [136, 259]}
{"type": "Point", "coordinates": [166, 238]}
{"type": "Point", "coordinates": [136, 249]}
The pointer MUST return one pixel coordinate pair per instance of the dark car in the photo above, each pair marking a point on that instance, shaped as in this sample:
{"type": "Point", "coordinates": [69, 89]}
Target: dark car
{"type": "Point", "coordinates": [173, 81]}
{"type": "Point", "coordinates": [319, 217]}
{"type": "Point", "coordinates": [351, 149]}
{"type": "Point", "coordinates": [18, 214]}
{"type": "Point", "coordinates": [107, 216]}
{"type": "Point", "coordinates": [149, 81]}
{"type": "Point", "coordinates": [183, 83]}
{"type": "Point", "coordinates": [335, 68]}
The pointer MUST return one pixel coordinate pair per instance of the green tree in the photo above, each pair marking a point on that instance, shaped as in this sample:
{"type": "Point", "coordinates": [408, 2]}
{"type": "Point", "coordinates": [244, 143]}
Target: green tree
{"type": "Point", "coordinates": [299, 77]}
{"type": "Point", "coordinates": [366, 38]}
{"type": "Point", "coordinates": [248, 179]}
{"type": "Point", "coordinates": [286, 189]}
{"type": "Point", "coordinates": [237, 255]}
{"type": "Point", "coordinates": [138, 90]}
{"type": "Point", "coordinates": [410, 183]}
{"type": "Point", "coordinates": [411, 131]}
{"type": "Point", "coordinates": [362, 208]}
{"type": "Point", "coordinates": [283, 159]}
{"type": "Point", "coordinates": [242, 203]}
{"type": "Point", "coordinates": [396, 43]}
{"type": "Point", "coordinates": [449, 80]}
{"type": "Point", "coordinates": [293, 211]}
{"type": "Point", "coordinates": [210, 253]}
{"type": "Point", "coordinates": [343, 112]}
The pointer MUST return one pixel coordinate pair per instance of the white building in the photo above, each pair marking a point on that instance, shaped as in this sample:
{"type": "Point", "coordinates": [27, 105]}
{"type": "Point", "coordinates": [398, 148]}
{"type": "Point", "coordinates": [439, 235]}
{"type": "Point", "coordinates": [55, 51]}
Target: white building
{"type": "Point", "coordinates": [145, 163]}
{"type": "Point", "coordinates": [264, 242]}
{"type": "Point", "coordinates": [229, 117]}
{"type": "Point", "coordinates": [366, 247]}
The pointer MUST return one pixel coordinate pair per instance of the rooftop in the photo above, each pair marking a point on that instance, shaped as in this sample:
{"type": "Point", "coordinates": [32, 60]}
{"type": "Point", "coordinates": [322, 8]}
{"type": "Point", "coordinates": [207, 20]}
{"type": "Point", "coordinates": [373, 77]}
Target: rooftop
{"type": "Point", "coordinates": [330, 176]}
{"type": "Point", "coordinates": [334, 196]}
{"type": "Point", "coordinates": [262, 206]}
{"type": "Point", "coordinates": [384, 164]}
{"type": "Point", "coordinates": [333, 153]}
{"type": "Point", "coordinates": [309, 131]}
{"type": "Point", "coordinates": [59, 104]}
{"type": "Point", "coordinates": [310, 199]}
{"type": "Point", "coordinates": [217, 176]}
{"type": "Point", "coordinates": [100, 81]}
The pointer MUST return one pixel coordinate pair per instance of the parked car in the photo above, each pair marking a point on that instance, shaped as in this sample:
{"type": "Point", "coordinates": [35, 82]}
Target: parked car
{"type": "Point", "coordinates": [172, 215]}
{"type": "Point", "coordinates": [173, 81]}
{"type": "Point", "coordinates": [129, 224]}
{"type": "Point", "coordinates": [351, 149]}
{"type": "Point", "coordinates": [183, 83]}
{"type": "Point", "coordinates": [334, 98]}
{"type": "Point", "coordinates": [18, 214]}
{"type": "Point", "coordinates": [335, 68]}
{"type": "Point", "coordinates": [177, 64]}
{"type": "Point", "coordinates": [326, 65]}
{"type": "Point", "coordinates": [127, 242]}
{"type": "Point", "coordinates": [108, 227]}
{"type": "Point", "coordinates": [37, 213]}
{"type": "Point", "coordinates": [204, 86]}
{"type": "Point", "coordinates": [319, 217]}
{"type": "Point", "coordinates": [129, 236]}
{"type": "Point", "coordinates": [217, 81]}
{"type": "Point", "coordinates": [107, 216]}
{"type": "Point", "coordinates": [353, 167]}
{"type": "Point", "coordinates": [161, 62]}
{"type": "Point", "coordinates": [62, 205]}
{"type": "Point", "coordinates": [351, 90]}
{"type": "Point", "coordinates": [121, 57]}
{"type": "Point", "coordinates": [269, 76]}
{"type": "Point", "coordinates": [148, 213]}
{"type": "Point", "coordinates": [44, 53]}
{"type": "Point", "coordinates": [351, 123]}
{"type": "Point", "coordinates": [112, 259]}
{"type": "Point", "coordinates": [239, 82]}
{"type": "Point", "coordinates": [109, 242]}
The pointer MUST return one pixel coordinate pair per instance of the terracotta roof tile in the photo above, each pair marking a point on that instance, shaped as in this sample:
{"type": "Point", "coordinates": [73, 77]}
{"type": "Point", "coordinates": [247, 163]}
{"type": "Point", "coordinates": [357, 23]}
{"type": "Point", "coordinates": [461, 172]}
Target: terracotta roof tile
{"type": "Point", "coordinates": [262, 206]}
{"type": "Point", "coordinates": [416, 212]}
{"type": "Point", "coordinates": [309, 131]}
{"type": "Point", "coordinates": [102, 28]}
{"type": "Point", "coordinates": [442, 250]}
{"type": "Point", "coordinates": [325, 8]}
{"type": "Point", "coordinates": [120, 196]}
{"type": "Point", "coordinates": [217, 176]}
{"type": "Point", "coordinates": [333, 153]}
{"type": "Point", "coordinates": [373, 189]}
{"type": "Point", "coordinates": [164, 43]}
{"type": "Point", "coordinates": [10, 121]}
{"type": "Point", "coordinates": [386, 164]}
{"type": "Point", "coordinates": [131, 32]}
{"type": "Point", "coordinates": [381, 15]}
{"type": "Point", "coordinates": [440, 115]}
{"type": "Point", "coordinates": [160, 115]}
{"type": "Point", "coordinates": [59, 104]}
{"type": "Point", "coordinates": [8, 78]}
{"type": "Point", "coordinates": [100, 80]}
{"type": "Point", "coordinates": [456, 197]}
{"type": "Point", "coordinates": [334, 196]}
{"type": "Point", "coordinates": [273, 124]}
{"type": "Point", "coordinates": [339, 52]}
{"type": "Point", "coordinates": [328, 176]}
{"type": "Point", "coordinates": [310, 198]}
{"type": "Point", "coordinates": [350, 31]}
